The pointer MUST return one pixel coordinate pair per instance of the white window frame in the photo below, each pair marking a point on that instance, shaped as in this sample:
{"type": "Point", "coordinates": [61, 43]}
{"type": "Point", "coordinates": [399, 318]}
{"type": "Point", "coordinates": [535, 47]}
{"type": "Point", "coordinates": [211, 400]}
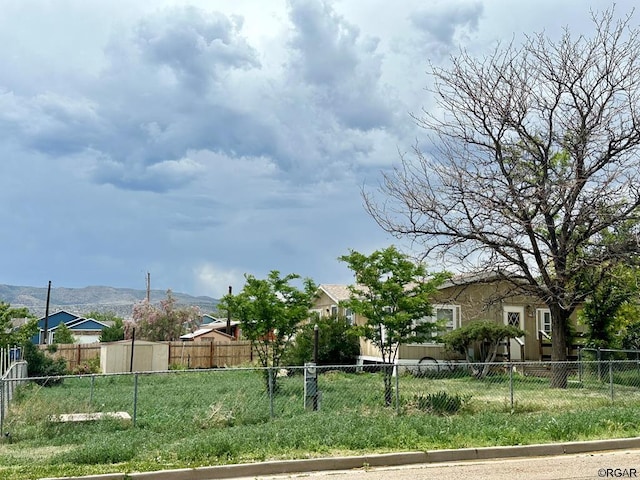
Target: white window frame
{"type": "Point", "coordinates": [455, 321]}
{"type": "Point", "coordinates": [350, 316]}
{"type": "Point", "coordinates": [540, 319]}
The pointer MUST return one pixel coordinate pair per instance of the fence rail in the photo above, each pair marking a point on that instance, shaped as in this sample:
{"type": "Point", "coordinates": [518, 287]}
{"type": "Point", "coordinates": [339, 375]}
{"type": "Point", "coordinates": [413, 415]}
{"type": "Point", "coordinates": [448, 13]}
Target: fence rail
{"type": "Point", "coordinates": [252, 395]}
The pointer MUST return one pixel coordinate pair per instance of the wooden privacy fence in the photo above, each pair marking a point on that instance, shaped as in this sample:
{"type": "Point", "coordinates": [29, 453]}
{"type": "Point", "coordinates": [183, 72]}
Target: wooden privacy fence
{"type": "Point", "coordinates": [209, 354]}
{"type": "Point", "coordinates": [74, 354]}
{"type": "Point", "coordinates": [181, 354]}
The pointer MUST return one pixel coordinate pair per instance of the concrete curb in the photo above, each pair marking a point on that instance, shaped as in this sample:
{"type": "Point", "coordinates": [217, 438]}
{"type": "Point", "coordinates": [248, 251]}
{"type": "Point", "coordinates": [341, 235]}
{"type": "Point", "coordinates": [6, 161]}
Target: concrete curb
{"type": "Point", "coordinates": [383, 460]}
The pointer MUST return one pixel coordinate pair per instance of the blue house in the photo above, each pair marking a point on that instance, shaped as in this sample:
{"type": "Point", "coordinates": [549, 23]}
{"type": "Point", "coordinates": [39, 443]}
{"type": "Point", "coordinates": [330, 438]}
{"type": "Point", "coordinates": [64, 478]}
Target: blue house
{"type": "Point", "coordinates": [84, 330]}
{"type": "Point", "coordinates": [54, 320]}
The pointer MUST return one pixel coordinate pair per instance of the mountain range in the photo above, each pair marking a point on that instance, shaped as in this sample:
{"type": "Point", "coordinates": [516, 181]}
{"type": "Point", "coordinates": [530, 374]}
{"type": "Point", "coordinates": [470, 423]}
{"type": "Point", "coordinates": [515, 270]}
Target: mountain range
{"type": "Point", "coordinates": [81, 301]}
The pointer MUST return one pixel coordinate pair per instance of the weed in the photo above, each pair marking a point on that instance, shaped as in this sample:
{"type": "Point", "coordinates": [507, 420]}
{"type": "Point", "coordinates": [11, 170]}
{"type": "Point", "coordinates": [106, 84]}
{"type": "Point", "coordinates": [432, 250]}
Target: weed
{"type": "Point", "coordinates": [440, 403]}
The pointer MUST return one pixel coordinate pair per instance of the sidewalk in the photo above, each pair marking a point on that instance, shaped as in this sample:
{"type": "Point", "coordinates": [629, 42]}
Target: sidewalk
{"type": "Point", "coordinates": [383, 460]}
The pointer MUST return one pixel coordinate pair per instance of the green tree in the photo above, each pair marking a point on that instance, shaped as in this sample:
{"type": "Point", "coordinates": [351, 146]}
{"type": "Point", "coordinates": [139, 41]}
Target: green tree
{"type": "Point", "coordinates": [63, 335]}
{"type": "Point", "coordinates": [338, 343]}
{"type": "Point", "coordinates": [270, 312]}
{"type": "Point", "coordinates": [164, 323]}
{"type": "Point", "coordinates": [9, 335]}
{"type": "Point", "coordinates": [115, 331]}
{"type": "Point", "coordinates": [394, 294]}
{"type": "Point", "coordinates": [631, 336]}
{"type": "Point", "coordinates": [483, 337]}
{"type": "Point", "coordinates": [532, 160]}
{"type": "Point", "coordinates": [604, 311]}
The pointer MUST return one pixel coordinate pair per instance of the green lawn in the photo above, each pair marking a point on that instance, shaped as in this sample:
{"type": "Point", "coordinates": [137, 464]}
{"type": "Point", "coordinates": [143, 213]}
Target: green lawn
{"type": "Point", "coordinates": [188, 419]}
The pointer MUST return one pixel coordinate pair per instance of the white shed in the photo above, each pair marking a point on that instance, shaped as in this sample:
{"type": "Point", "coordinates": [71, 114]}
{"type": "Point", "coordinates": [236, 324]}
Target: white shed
{"type": "Point", "coordinates": [115, 357]}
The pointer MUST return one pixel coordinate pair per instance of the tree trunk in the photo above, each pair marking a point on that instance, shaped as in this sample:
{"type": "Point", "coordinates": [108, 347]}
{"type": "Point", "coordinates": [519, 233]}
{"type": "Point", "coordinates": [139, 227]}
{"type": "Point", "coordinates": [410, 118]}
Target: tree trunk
{"type": "Point", "coordinates": [559, 369]}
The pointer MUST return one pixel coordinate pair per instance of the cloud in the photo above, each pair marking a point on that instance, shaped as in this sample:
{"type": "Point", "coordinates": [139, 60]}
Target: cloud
{"type": "Point", "coordinates": [344, 68]}
{"type": "Point", "coordinates": [159, 177]}
{"type": "Point", "coordinates": [213, 281]}
{"type": "Point", "coordinates": [196, 46]}
{"type": "Point", "coordinates": [445, 24]}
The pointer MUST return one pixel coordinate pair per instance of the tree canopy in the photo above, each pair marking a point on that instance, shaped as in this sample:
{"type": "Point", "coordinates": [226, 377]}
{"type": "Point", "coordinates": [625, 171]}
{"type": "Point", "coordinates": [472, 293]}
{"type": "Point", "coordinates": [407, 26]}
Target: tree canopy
{"type": "Point", "coordinates": [63, 335]}
{"type": "Point", "coordinates": [115, 331]}
{"type": "Point", "coordinates": [270, 312]}
{"type": "Point", "coordinates": [483, 337]}
{"type": "Point", "coordinates": [394, 294]}
{"type": "Point", "coordinates": [164, 323]}
{"type": "Point", "coordinates": [9, 335]}
{"type": "Point", "coordinates": [532, 164]}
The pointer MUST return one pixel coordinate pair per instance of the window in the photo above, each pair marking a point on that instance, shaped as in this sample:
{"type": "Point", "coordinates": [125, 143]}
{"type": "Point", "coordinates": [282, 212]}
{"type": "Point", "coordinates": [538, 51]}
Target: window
{"type": "Point", "coordinates": [348, 314]}
{"type": "Point", "coordinates": [448, 316]}
{"type": "Point", "coordinates": [544, 320]}
{"type": "Point", "coordinates": [334, 310]}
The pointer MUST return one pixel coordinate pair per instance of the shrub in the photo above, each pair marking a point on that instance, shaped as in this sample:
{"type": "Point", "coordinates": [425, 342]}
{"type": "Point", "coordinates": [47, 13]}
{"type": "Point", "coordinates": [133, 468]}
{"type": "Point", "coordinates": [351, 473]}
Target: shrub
{"type": "Point", "coordinates": [337, 343]}
{"type": "Point", "coordinates": [440, 403]}
{"type": "Point", "coordinates": [85, 368]}
{"type": "Point", "coordinates": [40, 365]}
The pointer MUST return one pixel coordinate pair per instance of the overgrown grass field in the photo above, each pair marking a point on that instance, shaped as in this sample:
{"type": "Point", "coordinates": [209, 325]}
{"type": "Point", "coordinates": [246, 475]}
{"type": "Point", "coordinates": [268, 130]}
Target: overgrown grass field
{"type": "Point", "coordinates": [190, 419]}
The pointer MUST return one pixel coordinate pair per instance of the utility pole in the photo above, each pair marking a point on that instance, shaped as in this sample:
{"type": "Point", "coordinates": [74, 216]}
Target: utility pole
{"type": "Point", "coordinates": [148, 287]}
{"type": "Point", "coordinates": [46, 315]}
{"type": "Point", "coordinates": [229, 316]}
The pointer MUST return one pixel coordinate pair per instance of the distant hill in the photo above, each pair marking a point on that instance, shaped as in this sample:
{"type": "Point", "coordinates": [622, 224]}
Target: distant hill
{"type": "Point", "coordinates": [102, 299]}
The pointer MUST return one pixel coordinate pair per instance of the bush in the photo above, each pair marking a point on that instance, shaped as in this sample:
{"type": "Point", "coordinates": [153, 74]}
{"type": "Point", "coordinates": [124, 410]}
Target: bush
{"type": "Point", "coordinates": [86, 368]}
{"type": "Point", "coordinates": [40, 365]}
{"type": "Point", "coordinates": [440, 403]}
{"type": "Point", "coordinates": [337, 343]}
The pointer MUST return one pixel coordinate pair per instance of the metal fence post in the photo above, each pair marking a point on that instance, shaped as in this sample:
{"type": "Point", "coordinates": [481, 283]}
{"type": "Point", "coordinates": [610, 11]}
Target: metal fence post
{"type": "Point", "coordinates": [599, 356]}
{"type": "Point", "coordinates": [270, 374]}
{"type": "Point", "coordinates": [397, 390]}
{"type": "Point", "coordinates": [135, 398]}
{"type": "Point", "coordinates": [511, 383]}
{"type": "Point", "coordinates": [2, 404]}
{"type": "Point", "coordinates": [611, 379]}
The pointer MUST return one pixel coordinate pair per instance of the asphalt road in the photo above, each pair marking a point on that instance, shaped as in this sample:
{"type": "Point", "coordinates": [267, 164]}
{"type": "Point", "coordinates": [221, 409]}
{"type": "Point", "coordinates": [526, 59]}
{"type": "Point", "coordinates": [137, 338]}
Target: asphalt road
{"type": "Point", "coordinates": [602, 465]}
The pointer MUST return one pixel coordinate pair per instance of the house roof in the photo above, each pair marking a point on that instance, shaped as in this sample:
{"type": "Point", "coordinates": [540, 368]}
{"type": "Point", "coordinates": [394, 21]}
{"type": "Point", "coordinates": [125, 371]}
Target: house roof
{"type": "Point", "coordinates": [18, 322]}
{"type": "Point", "coordinates": [83, 324]}
{"type": "Point", "coordinates": [61, 316]}
{"type": "Point", "coordinates": [202, 331]}
{"type": "Point", "coordinates": [339, 292]}
{"type": "Point", "coordinates": [207, 319]}
{"type": "Point", "coordinates": [336, 292]}
{"type": "Point", "coordinates": [218, 324]}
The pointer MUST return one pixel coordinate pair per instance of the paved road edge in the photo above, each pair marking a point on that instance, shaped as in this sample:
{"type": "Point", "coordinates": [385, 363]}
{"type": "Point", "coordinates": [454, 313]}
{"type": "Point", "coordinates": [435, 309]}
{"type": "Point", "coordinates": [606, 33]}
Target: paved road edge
{"type": "Point", "coordinates": [363, 461]}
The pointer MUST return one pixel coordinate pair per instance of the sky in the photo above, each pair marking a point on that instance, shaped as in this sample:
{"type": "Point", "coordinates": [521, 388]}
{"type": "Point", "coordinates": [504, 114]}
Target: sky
{"type": "Point", "coordinates": [200, 141]}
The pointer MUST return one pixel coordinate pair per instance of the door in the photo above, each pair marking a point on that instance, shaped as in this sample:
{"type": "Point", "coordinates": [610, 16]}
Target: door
{"type": "Point", "coordinates": [514, 316]}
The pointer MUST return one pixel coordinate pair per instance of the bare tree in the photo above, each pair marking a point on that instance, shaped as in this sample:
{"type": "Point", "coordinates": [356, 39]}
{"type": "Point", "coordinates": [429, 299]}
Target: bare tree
{"type": "Point", "coordinates": [533, 169]}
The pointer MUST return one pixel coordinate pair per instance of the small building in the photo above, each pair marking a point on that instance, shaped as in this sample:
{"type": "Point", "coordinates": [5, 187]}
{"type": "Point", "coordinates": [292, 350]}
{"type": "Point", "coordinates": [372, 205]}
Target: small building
{"type": "Point", "coordinates": [115, 357]}
{"type": "Point", "coordinates": [207, 334]}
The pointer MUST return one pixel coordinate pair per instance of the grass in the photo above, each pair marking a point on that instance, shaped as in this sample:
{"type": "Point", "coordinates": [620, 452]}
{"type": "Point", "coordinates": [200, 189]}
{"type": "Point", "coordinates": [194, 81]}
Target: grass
{"type": "Point", "coordinates": [190, 419]}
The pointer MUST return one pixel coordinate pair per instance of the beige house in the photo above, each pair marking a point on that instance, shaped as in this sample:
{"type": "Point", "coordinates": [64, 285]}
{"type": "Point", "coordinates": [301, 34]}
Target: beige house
{"type": "Point", "coordinates": [207, 333]}
{"type": "Point", "coordinates": [458, 302]}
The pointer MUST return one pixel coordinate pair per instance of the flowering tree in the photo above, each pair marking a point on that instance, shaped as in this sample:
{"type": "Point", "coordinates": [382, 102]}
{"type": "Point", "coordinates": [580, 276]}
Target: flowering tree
{"type": "Point", "coordinates": [163, 323]}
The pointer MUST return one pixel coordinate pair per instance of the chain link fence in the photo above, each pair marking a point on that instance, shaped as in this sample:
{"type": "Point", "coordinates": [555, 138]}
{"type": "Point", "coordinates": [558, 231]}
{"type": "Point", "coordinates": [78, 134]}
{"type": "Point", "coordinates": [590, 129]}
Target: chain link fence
{"type": "Point", "coordinates": [188, 399]}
